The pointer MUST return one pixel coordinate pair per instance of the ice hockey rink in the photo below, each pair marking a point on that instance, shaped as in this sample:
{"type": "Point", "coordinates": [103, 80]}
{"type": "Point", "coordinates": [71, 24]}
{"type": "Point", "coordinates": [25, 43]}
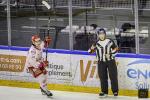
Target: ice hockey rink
{"type": "Point", "coordinates": [14, 93]}
{"type": "Point", "coordinates": [61, 39]}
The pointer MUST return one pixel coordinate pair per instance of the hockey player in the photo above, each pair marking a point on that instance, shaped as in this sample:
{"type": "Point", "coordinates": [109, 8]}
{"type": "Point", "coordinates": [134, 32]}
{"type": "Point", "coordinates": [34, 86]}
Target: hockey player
{"type": "Point", "coordinates": [105, 49]}
{"type": "Point", "coordinates": [36, 64]}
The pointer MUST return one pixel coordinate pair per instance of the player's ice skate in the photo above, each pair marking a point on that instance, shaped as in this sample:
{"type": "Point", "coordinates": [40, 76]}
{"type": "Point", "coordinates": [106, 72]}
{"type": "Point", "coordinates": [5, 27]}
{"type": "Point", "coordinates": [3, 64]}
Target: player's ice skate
{"type": "Point", "coordinates": [47, 92]}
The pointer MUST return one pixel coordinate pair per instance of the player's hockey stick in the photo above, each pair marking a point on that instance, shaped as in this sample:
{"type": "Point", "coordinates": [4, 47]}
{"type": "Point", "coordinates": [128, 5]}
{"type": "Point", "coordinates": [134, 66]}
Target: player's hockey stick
{"type": "Point", "coordinates": [48, 7]}
{"type": "Point", "coordinates": [47, 35]}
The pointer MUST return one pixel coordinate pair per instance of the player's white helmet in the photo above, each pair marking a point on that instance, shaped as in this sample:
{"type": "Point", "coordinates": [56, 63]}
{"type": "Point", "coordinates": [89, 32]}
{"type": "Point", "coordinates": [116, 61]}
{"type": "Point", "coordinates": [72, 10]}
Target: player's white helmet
{"type": "Point", "coordinates": [36, 40]}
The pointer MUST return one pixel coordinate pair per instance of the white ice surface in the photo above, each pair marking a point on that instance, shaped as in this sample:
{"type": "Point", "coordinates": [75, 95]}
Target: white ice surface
{"type": "Point", "coordinates": [14, 93]}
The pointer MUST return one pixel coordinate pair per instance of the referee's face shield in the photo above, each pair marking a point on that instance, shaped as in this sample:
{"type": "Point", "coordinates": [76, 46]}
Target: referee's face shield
{"type": "Point", "coordinates": [101, 35]}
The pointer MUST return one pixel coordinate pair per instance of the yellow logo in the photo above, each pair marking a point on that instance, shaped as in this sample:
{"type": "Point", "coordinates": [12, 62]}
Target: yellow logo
{"type": "Point", "coordinates": [90, 68]}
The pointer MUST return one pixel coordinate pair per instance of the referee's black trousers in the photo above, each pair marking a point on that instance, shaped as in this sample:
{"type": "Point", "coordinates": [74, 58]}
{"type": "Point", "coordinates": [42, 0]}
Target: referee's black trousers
{"type": "Point", "coordinates": [105, 68]}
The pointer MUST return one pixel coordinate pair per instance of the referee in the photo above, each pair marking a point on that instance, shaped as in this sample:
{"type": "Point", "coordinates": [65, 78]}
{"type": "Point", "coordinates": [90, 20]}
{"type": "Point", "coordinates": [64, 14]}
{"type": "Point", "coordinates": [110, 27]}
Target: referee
{"type": "Point", "coordinates": [105, 50]}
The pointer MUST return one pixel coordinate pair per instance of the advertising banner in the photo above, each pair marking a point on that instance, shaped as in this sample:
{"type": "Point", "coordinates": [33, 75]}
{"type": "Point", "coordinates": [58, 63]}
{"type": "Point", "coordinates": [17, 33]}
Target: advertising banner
{"type": "Point", "coordinates": [77, 70]}
{"type": "Point", "coordinates": [12, 63]}
{"type": "Point", "coordinates": [136, 73]}
{"type": "Point", "coordinates": [59, 69]}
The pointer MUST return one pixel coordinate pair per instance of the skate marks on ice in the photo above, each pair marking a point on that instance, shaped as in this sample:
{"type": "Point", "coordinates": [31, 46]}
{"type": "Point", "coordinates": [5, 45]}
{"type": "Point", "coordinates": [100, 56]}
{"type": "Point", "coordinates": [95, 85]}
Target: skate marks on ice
{"type": "Point", "coordinates": [111, 97]}
{"type": "Point", "coordinates": [13, 93]}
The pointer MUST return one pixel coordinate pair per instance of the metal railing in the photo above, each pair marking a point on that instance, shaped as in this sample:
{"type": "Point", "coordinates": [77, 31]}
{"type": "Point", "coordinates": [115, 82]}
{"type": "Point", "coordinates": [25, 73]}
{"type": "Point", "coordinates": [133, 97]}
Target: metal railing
{"type": "Point", "coordinates": [113, 4]}
{"type": "Point", "coordinates": [82, 4]}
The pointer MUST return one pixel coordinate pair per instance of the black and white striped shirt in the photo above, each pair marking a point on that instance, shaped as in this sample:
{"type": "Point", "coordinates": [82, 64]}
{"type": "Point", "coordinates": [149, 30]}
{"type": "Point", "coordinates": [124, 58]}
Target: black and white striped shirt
{"type": "Point", "coordinates": [105, 47]}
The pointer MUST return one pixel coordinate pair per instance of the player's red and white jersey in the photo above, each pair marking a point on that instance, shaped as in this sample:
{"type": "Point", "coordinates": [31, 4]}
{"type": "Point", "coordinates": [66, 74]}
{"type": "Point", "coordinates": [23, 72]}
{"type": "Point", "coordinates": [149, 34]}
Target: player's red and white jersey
{"type": "Point", "coordinates": [34, 56]}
